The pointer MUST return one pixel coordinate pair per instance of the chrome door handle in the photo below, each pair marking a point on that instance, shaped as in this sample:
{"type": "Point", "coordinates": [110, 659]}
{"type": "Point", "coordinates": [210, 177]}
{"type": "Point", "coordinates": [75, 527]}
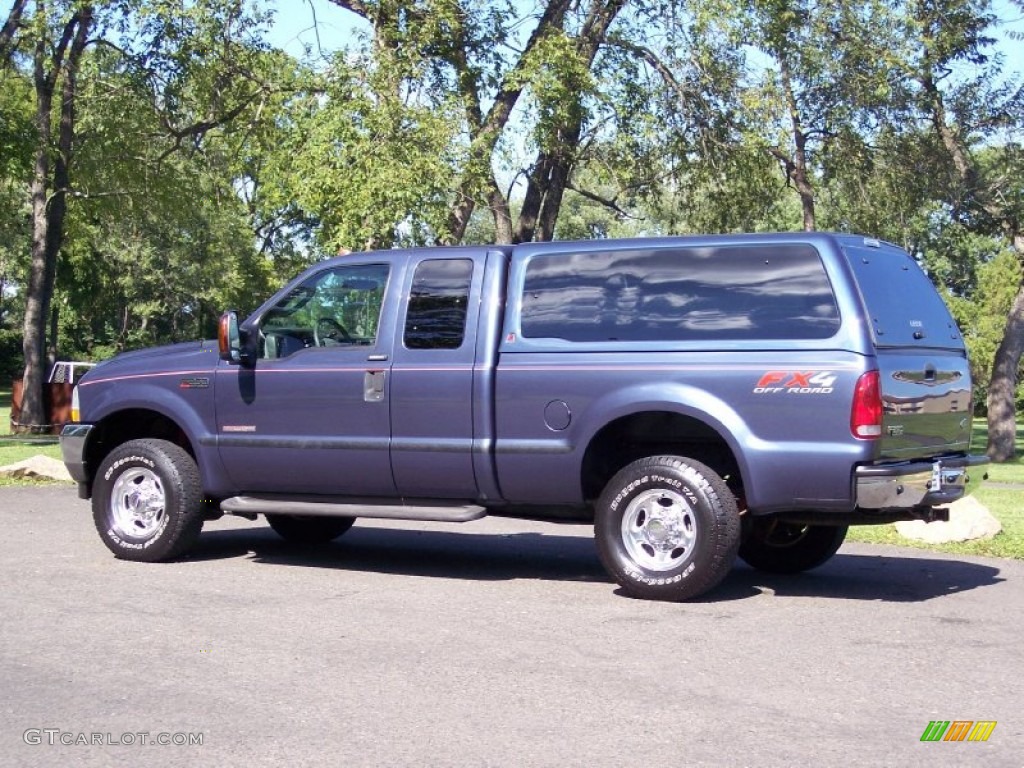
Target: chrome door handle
{"type": "Point", "coordinates": [373, 386]}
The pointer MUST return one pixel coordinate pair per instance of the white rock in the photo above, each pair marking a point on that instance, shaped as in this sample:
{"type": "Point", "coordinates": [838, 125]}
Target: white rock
{"type": "Point", "coordinates": [969, 519]}
{"type": "Point", "coordinates": [37, 466]}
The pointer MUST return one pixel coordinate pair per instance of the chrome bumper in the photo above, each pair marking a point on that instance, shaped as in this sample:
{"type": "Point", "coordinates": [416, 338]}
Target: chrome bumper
{"type": "Point", "coordinates": [72, 450]}
{"type": "Point", "coordinates": [916, 483]}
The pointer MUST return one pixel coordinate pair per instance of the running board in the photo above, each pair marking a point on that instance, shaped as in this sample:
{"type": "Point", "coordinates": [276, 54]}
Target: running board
{"type": "Point", "coordinates": [336, 507]}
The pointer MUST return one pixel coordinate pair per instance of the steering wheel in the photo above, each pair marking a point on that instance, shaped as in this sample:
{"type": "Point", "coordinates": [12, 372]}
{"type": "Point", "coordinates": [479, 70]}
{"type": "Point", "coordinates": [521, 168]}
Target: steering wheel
{"type": "Point", "coordinates": [327, 329]}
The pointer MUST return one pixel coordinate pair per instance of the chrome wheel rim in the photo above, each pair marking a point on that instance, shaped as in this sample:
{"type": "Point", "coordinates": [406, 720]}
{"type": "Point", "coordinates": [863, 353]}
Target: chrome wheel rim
{"type": "Point", "coordinates": [138, 503]}
{"type": "Point", "coordinates": [659, 530]}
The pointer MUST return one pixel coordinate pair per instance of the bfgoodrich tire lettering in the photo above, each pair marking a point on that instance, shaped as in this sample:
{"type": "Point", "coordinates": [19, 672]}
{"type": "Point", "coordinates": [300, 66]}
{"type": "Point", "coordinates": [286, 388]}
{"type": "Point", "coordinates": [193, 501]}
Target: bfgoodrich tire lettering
{"type": "Point", "coordinates": [789, 547]}
{"type": "Point", "coordinates": [147, 501]}
{"type": "Point", "coordinates": [299, 529]}
{"type": "Point", "coordinates": [667, 528]}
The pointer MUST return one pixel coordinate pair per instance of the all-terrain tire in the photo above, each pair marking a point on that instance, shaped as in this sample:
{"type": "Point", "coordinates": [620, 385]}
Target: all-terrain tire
{"type": "Point", "coordinates": [667, 528]}
{"type": "Point", "coordinates": [790, 547]}
{"type": "Point", "coordinates": [147, 501]}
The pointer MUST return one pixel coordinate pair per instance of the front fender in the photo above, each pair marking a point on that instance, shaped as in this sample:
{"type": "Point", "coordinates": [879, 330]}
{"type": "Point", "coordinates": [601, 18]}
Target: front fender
{"type": "Point", "coordinates": [190, 408]}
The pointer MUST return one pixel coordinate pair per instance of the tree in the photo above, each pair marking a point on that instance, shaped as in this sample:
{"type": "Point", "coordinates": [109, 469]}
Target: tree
{"type": "Point", "coordinates": [963, 115]}
{"type": "Point", "coordinates": [194, 62]}
{"type": "Point", "coordinates": [368, 166]}
{"type": "Point", "coordinates": [56, 59]}
{"type": "Point", "coordinates": [457, 46]}
{"type": "Point", "coordinates": [473, 54]}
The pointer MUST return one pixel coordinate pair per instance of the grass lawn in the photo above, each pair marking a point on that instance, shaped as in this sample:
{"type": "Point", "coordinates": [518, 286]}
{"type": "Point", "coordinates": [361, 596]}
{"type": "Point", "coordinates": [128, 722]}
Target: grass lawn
{"type": "Point", "coordinates": [14, 448]}
{"type": "Point", "coordinates": [1005, 503]}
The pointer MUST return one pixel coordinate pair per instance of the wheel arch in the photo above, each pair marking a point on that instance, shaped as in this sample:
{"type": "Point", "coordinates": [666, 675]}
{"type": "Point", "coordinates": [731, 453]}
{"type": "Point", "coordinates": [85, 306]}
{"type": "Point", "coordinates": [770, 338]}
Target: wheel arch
{"type": "Point", "coordinates": [649, 428]}
{"type": "Point", "coordinates": [150, 409]}
{"type": "Point", "coordinates": [120, 426]}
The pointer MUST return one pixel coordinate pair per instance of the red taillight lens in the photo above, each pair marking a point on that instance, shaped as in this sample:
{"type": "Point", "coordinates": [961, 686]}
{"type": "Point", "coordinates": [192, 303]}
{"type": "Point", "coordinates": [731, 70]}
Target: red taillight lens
{"type": "Point", "coordinates": [866, 414]}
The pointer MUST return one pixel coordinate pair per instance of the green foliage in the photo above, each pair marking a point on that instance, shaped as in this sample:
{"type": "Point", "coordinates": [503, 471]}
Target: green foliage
{"type": "Point", "coordinates": [157, 240]}
{"type": "Point", "coordinates": [982, 315]}
{"type": "Point", "coordinates": [560, 84]}
{"type": "Point", "coordinates": [373, 168]}
{"type": "Point", "coordinates": [16, 134]}
{"type": "Point", "coordinates": [10, 355]}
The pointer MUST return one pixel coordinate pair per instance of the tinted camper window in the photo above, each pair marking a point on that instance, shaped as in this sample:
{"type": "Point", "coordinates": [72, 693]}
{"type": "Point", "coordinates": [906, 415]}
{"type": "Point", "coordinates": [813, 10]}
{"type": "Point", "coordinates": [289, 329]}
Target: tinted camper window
{"type": "Point", "coordinates": [887, 277]}
{"type": "Point", "coordinates": [680, 294]}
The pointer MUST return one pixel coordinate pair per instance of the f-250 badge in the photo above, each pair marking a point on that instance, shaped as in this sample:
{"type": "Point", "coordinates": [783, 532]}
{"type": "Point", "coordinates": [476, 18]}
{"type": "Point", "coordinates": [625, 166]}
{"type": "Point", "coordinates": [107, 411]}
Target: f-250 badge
{"type": "Point", "coordinates": [796, 383]}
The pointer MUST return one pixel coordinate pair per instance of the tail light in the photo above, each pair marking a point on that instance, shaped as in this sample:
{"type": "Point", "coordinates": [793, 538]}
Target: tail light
{"type": "Point", "coordinates": [76, 411]}
{"type": "Point", "coordinates": [866, 413]}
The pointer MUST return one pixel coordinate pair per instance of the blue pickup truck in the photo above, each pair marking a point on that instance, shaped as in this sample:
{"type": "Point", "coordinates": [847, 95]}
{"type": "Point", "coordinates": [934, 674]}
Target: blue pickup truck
{"type": "Point", "coordinates": [694, 399]}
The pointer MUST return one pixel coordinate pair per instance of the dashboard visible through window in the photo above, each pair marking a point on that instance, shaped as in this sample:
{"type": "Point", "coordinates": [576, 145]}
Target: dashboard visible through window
{"type": "Point", "coordinates": [334, 308]}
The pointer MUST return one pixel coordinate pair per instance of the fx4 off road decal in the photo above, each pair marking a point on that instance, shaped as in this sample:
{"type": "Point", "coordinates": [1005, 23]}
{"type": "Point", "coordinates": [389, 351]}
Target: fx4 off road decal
{"type": "Point", "coordinates": [796, 383]}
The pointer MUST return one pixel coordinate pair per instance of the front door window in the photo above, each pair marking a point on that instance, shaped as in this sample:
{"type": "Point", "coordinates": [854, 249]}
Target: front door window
{"type": "Point", "coordinates": [336, 307]}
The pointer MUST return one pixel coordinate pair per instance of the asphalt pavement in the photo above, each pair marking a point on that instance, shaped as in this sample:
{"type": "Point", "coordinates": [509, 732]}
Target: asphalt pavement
{"type": "Point", "coordinates": [491, 643]}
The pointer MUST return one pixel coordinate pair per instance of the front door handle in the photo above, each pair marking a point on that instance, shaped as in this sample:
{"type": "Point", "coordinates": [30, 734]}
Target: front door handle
{"type": "Point", "coordinates": [373, 386]}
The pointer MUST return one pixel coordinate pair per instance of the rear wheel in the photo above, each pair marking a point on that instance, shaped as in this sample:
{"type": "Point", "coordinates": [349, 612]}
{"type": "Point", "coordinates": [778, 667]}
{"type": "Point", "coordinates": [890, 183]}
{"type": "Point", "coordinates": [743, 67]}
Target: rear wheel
{"type": "Point", "coordinates": [790, 547]}
{"type": "Point", "coordinates": [667, 528]}
{"type": "Point", "coordinates": [299, 529]}
{"type": "Point", "coordinates": [147, 501]}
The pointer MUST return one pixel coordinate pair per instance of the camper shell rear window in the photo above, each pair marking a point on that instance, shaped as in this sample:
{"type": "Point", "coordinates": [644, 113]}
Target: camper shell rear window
{"type": "Point", "coordinates": [903, 306]}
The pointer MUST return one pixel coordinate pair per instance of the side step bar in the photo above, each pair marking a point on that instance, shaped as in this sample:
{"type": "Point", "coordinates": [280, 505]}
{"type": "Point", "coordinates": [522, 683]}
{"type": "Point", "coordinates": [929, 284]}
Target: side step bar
{"type": "Point", "coordinates": [322, 506]}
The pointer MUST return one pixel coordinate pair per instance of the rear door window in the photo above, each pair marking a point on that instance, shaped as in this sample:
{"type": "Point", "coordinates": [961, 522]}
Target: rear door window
{"type": "Point", "coordinates": [438, 302]}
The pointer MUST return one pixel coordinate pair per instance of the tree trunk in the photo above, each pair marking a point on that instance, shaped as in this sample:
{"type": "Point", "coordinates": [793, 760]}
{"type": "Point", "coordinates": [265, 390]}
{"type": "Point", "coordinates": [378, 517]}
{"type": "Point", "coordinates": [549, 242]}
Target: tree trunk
{"type": "Point", "coordinates": [1002, 388]}
{"type": "Point", "coordinates": [557, 182]}
{"type": "Point", "coordinates": [10, 29]}
{"type": "Point", "coordinates": [49, 208]}
{"type": "Point", "coordinates": [51, 346]}
{"type": "Point", "coordinates": [502, 216]}
{"type": "Point", "coordinates": [801, 176]}
{"type": "Point", "coordinates": [539, 179]}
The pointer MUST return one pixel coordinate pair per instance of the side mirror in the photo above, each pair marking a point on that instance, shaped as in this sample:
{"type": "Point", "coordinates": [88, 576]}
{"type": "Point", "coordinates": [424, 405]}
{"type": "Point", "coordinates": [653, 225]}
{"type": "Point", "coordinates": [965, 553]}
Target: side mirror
{"type": "Point", "coordinates": [229, 340]}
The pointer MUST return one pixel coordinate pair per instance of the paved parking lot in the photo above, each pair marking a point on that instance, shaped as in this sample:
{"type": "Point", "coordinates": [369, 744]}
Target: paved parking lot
{"type": "Point", "coordinates": [494, 643]}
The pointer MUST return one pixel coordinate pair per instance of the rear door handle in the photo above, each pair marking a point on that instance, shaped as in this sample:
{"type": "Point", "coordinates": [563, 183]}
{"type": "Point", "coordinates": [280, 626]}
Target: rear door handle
{"type": "Point", "coordinates": [373, 386]}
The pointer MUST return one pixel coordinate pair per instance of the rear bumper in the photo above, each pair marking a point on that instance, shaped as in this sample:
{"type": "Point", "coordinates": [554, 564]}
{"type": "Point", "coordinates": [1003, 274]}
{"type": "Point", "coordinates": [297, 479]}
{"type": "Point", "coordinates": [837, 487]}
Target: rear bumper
{"type": "Point", "coordinates": [910, 484]}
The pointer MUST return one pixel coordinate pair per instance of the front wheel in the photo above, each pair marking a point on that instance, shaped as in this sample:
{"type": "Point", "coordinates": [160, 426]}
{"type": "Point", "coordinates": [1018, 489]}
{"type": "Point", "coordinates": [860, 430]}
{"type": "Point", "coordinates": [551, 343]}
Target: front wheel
{"type": "Point", "coordinates": [789, 547]}
{"type": "Point", "coordinates": [147, 501]}
{"type": "Point", "coordinates": [667, 528]}
{"type": "Point", "coordinates": [299, 529]}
